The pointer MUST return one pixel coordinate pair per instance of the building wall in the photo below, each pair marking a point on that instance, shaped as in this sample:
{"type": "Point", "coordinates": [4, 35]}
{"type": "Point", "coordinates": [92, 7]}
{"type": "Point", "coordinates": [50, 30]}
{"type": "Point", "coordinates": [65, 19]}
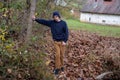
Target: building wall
{"type": "Point", "coordinates": [100, 18]}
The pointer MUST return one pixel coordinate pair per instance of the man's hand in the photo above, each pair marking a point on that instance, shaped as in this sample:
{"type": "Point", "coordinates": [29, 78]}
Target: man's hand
{"type": "Point", "coordinates": [33, 17]}
{"type": "Point", "coordinates": [63, 43]}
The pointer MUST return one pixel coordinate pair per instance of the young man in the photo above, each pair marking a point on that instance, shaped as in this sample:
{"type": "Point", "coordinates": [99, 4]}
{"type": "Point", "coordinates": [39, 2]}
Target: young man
{"type": "Point", "coordinates": [60, 33]}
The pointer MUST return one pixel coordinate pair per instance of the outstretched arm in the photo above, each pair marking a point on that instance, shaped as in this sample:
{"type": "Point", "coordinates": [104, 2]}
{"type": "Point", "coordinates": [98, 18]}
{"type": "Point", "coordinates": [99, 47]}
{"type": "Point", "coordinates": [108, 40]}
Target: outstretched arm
{"type": "Point", "coordinates": [42, 21]}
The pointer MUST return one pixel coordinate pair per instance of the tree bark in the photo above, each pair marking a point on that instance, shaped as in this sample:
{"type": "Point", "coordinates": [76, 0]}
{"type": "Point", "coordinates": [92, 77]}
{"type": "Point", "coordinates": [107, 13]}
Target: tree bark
{"type": "Point", "coordinates": [29, 29]}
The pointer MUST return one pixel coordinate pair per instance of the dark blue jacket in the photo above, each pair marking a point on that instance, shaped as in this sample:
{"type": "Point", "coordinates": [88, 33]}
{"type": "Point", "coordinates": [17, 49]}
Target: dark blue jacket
{"type": "Point", "coordinates": [59, 30]}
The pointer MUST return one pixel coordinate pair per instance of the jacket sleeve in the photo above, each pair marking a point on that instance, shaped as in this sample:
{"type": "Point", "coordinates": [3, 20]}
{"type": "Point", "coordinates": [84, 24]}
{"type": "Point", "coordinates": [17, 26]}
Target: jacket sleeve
{"type": "Point", "coordinates": [66, 32]}
{"type": "Point", "coordinates": [44, 22]}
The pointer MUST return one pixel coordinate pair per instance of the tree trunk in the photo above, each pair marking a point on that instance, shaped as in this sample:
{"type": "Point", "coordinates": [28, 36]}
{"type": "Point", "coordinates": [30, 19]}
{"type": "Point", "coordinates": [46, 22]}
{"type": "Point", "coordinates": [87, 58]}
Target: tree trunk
{"type": "Point", "coordinates": [23, 29]}
{"type": "Point", "coordinates": [29, 29]}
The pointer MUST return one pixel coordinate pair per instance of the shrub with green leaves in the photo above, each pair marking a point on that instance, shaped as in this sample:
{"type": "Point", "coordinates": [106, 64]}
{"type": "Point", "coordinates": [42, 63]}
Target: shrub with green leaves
{"type": "Point", "coordinates": [21, 64]}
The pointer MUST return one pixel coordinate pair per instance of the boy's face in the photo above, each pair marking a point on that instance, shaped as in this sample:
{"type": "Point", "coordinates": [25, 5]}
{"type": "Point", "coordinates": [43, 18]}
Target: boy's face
{"type": "Point", "coordinates": [56, 18]}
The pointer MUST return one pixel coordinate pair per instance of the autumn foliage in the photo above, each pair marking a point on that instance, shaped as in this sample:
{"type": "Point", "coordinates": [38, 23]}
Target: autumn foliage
{"type": "Point", "coordinates": [88, 55]}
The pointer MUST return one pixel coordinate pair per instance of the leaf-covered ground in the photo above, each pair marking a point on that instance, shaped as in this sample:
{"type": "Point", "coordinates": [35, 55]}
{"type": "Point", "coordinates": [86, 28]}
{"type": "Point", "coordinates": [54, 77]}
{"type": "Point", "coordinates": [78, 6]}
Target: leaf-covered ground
{"type": "Point", "coordinates": [87, 55]}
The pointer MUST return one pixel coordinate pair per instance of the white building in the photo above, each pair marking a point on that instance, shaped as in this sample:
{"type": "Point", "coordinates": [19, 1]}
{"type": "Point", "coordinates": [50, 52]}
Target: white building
{"type": "Point", "coordinates": [102, 12]}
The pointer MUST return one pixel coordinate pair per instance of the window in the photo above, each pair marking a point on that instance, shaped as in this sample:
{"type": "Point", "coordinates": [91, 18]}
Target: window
{"type": "Point", "coordinates": [89, 19]}
{"type": "Point", "coordinates": [103, 21]}
{"type": "Point", "coordinates": [107, 0]}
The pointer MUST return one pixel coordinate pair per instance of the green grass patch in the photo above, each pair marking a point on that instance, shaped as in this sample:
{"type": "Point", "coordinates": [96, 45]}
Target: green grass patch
{"type": "Point", "coordinates": [104, 30]}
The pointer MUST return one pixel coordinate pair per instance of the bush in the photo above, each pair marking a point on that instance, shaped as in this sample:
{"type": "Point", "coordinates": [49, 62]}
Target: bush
{"type": "Point", "coordinates": [22, 63]}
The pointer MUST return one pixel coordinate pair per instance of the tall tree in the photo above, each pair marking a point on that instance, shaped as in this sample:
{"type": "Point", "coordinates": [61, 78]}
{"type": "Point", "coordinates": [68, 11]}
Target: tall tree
{"type": "Point", "coordinates": [32, 12]}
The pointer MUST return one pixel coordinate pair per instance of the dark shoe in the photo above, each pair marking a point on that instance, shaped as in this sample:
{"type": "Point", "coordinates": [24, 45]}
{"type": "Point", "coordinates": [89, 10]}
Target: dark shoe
{"type": "Point", "coordinates": [62, 68]}
{"type": "Point", "coordinates": [56, 71]}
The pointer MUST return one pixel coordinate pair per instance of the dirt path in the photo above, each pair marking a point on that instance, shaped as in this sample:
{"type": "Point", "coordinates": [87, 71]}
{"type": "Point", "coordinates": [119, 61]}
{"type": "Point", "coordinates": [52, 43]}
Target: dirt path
{"type": "Point", "coordinates": [87, 55]}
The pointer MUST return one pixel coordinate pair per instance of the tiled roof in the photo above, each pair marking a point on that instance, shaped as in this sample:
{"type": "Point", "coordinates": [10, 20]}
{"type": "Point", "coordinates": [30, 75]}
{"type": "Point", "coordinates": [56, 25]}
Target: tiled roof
{"type": "Point", "coordinates": [102, 7]}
